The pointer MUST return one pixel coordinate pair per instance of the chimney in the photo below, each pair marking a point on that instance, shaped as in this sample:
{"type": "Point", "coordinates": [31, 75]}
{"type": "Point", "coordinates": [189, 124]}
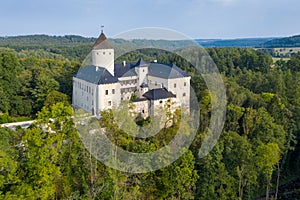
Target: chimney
{"type": "Point", "coordinates": [124, 63]}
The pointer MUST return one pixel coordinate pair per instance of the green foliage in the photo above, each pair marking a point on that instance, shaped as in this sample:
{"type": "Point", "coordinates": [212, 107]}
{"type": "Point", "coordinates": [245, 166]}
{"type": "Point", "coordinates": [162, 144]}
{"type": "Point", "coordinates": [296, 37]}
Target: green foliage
{"type": "Point", "coordinates": [48, 160]}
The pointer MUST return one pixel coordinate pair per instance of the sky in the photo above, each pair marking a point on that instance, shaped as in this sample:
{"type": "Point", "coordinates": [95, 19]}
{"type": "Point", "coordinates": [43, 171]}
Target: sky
{"type": "Point", "coordinates": [199, 19]}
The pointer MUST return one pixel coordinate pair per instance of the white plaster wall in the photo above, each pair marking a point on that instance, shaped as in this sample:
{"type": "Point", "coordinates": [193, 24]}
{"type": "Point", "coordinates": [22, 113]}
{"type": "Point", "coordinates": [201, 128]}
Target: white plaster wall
{"type": "Point", "coordinates": [142, 74]}
{"type": "Point", "coordinates": [157, 82]}
{"type": "Point", "coordinates": [142, 91]}
{"type": "Point", "coordinates": [182, 87]}
{"type": "Point", "coordinates": [104, 58]}
{"type": "Point", "coordinates": [83, 94]}
{"type": "Point", "coordinates": [140, 106]}
{"type": "Point", "coordinates": [104, 99]}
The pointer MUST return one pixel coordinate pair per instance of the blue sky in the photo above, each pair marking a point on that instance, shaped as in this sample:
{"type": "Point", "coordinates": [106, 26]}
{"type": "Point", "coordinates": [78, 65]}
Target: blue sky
{"type": "Point", "coordinates": [195, 18]}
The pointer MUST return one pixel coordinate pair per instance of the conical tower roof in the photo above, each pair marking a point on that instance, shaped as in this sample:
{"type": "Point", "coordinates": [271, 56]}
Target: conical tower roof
{"type": "Point", "coordinates": [102, 43]}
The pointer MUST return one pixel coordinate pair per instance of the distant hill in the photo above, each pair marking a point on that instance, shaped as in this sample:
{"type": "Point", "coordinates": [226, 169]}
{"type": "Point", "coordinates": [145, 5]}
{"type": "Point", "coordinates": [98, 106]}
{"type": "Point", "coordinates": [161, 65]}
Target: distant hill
{"type": "Point", "coordinates": [243, 42]}
{"type": "Point", "coordinates": [293, 41]}
{"type": "Point", "coordinates": [77, 47]}
{"type": "Point", "coordinates": [33, 41]}
{"type": "Point", "coordinates": [44, 40]}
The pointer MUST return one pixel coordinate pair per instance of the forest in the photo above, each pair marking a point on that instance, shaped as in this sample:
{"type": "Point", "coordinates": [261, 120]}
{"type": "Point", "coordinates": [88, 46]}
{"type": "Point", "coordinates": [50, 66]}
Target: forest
{"type": "Point", "coordinates": [256, 157]}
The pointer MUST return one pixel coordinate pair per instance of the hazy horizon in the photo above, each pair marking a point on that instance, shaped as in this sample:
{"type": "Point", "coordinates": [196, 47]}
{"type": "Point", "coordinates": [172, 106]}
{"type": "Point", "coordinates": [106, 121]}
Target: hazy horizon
{"type": "Point", "coordinates": [199, 19]}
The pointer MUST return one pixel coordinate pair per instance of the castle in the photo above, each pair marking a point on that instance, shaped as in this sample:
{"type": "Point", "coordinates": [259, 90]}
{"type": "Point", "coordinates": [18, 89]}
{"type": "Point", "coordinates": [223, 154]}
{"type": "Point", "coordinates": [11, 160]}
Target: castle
{"type": "Point", "coordinates": [104, 84]}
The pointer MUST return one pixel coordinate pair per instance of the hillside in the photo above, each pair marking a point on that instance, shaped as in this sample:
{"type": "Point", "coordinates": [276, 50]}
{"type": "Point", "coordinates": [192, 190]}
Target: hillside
{"type": "Point", "coordinates": [46, 41]}
{"type": "Point", "coordinates": [293, 41]}
{"type": "Point", "coordinates": [243, 42]}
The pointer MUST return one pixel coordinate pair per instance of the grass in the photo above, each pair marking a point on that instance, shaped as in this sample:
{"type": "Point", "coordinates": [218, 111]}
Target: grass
{"type": "Point", "coordinates": [276, 59]}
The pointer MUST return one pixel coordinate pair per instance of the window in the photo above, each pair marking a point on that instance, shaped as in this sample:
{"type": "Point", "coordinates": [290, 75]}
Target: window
{"type": "Point", "coordinates": [103, 52]}
{"type": "Point", "coordinates": [106, 92]}
{"type": "Point", "coordinates": [87, 98]}
{"type": "Point", "coordinates": [184, 83]}
{"type": "Point", "coordinates": [174, 85]}
{"type": "Point", "coordinates": [143, 70]}
{"type": "Point", "coordinates": [160, 101]}
{"type": "Point", "coordinates": [143, 111]}
{"type": "Point", "coordinates": [109, 53]}
{"type": "Point", "coordinates": [109, 103]}
{"type": "Point", "coordinates": [113, 91]}
{"type": "Point", "coordinates": [92, 102]}
{"type": "Point", "coordinates": [183, 94]}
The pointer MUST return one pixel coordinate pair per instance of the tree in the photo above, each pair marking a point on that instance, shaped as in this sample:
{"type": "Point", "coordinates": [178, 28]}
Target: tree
{"type": "Point", "coordinates": [268, 155]}
{"type": "Point", "coordinates": [177, 181]}
{"type": "Point", "coordinates": [44, 86]}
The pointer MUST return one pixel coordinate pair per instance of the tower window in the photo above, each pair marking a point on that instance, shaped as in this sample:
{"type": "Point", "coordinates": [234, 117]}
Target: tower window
{"type": "Point", "coordinates": [103, 52]}
{"type": "Point", "coordinates": [183, 94]}
{"type": "Point", "coordinates": [109, 103]}
{"type": "Point", "coordinates": [174, 85]}
{"type": "Point", "coordinates": [113, 91]}
{"type": "Point", "coordinates": [184, 83]}
{"type": "Point", "coordinates": [109, 53]}
{"type": "Point", "coordinates": [160, 101]}
{"type": "Point", "coordinates": [106, 92]}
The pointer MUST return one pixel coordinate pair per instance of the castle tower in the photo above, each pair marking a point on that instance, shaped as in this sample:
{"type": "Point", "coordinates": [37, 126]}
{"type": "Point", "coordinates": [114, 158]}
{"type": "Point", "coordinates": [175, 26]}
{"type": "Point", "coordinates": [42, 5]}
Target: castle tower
{"type": "Point", "coordinates": [103, 54]}
{"type": "Point", "coordinates": [141, 69]}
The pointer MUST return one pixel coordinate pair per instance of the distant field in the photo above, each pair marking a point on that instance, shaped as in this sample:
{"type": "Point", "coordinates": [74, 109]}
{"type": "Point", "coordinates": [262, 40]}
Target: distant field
{"type": "Point", "coordinates": [276, 59]}
{"type": "Point", "coordinates": [285, 51]}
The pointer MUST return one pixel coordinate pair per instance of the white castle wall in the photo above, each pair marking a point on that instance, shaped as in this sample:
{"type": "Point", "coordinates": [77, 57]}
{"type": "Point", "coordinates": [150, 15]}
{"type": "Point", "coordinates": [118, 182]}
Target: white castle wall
{"type": "Point", "coordinates": [181, 88]}
{"type": "Point", "coordinates": [108, 96]}
{"type": "Point", "coordinates": [84, 94]}
{"type": "Point", "coordinates": [104, 58]}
